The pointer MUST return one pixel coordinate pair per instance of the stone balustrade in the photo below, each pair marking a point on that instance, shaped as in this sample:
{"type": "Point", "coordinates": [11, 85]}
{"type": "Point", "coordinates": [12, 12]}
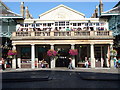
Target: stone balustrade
{"type": "Point", "coordinates": [63, 34]}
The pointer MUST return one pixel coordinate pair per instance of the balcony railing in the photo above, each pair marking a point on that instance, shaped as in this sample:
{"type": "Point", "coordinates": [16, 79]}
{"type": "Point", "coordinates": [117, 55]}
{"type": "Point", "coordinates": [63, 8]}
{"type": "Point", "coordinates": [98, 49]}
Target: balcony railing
{"type": "Point", "coordinates": [65, 34]}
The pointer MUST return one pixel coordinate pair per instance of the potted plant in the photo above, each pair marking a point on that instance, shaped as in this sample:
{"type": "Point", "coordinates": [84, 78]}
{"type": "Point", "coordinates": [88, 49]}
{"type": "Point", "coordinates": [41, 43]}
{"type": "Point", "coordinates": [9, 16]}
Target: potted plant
{"type": "Point", "coordinates": [12, 53]}
{"type": "Point", "coordinates": [73, 52]}
{"type": "Point", "coordinates": [113, 53]}
{"type": "Point", "coordinates": [52, 53]}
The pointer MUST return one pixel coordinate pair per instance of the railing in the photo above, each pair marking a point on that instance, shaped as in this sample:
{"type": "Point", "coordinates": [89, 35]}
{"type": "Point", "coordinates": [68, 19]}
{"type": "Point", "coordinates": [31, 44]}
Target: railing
{"type": "Point", "coordinates": [82, 33]}
{"type": "Point", "coordinates": [99, 33]}
{"type": "Point", "coordinates": [23, 33]}
{"type": "Point", "coordinates": [42, 33]}
{"type": "Point", "coordinates": [62, 33]}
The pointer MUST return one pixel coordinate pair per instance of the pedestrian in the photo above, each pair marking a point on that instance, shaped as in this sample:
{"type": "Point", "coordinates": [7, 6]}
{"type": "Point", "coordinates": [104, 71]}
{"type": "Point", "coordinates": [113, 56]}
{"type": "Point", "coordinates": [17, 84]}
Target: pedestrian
{"type": "Point", "coordinates": [70, 64]}
{"type": "Point", "coordinates": [0, 64]}
{"type": "Point", "coordinates": [115, 62]}
{"type": "Point", "coordinates": [3, 62]}
{"type": "Point", "coordinates": [118, 63]}
{"type": "Point", "coordinates": [86, 62]}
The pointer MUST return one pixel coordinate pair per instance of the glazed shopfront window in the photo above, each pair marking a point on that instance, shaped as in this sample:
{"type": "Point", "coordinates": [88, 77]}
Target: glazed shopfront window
{"type": "Point", "coordinates": [25, 54]}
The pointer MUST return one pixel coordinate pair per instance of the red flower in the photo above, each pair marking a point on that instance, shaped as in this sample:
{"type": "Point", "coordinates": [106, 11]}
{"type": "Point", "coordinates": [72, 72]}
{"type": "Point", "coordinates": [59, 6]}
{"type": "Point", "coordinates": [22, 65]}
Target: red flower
{"type": "Point", "coordinates": [12, 52]}
{"type": "Point", "coordinates": [51, 53]}
{"type": "Point", "coordinates": [73, 52]}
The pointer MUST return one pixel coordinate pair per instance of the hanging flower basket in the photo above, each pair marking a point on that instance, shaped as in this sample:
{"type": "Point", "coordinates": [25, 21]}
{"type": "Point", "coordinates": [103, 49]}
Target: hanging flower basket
{"type": "Point", "coordinates": [113, 53]}
{"type": "Point", "coordinates": [73, 52]}
{"type": "Point", "coordinates": [51, 53]}
{"type": "Point", "coordinates": [12, 53]}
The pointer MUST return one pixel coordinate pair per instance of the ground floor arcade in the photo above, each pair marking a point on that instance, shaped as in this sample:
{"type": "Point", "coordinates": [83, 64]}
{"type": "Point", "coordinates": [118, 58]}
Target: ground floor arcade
{"type": "Point", "coordinates": [30, 55]}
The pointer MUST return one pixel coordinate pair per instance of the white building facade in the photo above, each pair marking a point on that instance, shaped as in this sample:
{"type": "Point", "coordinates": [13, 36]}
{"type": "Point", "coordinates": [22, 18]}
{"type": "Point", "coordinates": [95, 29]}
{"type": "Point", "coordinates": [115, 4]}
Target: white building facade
{"type": "Point", "coordinates": [62, 29]}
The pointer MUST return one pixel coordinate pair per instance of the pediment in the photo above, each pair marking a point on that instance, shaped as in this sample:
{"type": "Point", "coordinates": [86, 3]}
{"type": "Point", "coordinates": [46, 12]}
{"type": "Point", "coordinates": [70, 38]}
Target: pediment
{"type": "Point", "coordinates": [61, 12]}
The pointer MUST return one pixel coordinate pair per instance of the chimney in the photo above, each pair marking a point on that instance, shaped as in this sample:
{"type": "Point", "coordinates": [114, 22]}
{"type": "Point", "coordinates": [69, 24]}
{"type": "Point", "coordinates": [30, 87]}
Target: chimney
{"type": "Point", "coordinates": [27, 13]}
{"type": "Point", "coordinates": [96, 12]}
{"type": "Point", "coordinates": [100, 7]}
{"type": "Point", "coordinates": [22, 9]}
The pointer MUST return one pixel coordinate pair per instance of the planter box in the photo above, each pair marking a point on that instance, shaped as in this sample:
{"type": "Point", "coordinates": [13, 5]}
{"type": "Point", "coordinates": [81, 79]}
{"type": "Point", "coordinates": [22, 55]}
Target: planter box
{"type": "Point", "coordinates": [25, 65]}
{"type": "Point", "coordinates": [81, 64]}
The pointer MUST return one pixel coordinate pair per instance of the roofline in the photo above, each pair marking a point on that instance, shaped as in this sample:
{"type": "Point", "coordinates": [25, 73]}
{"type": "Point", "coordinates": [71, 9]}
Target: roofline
{"type": "Point", "coordinates": [104, 14]}
{"type": "Point", "coordinates": [14, 13]}
{"type": "Point", "coordinates": [110, 10]}
{"type": "Point", "coordinates": [12, 17]}
{"type": "Point", "coordinates": [4, 5]}
{"type": "Point", "coordinates": [117, 4]}
{"type": "Point", "coordinates": [60, 6]}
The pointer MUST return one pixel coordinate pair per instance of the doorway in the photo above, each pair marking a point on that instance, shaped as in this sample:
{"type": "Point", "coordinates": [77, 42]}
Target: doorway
{"type": "Point", "coordinates": [63, 56]}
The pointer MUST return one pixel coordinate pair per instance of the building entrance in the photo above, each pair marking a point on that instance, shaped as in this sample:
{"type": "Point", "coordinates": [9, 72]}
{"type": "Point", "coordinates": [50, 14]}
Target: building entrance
{"type": "Point", "coordinates": [63, 58]}
{"type": "Point", "coordinates": [63, 55]}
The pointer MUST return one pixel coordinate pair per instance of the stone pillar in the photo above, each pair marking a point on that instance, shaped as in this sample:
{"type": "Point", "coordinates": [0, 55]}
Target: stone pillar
{"type": "Point", "coordinates": [111, 61]}
{"type": "Point", "coordinates": [52, 59]}
{"type": "Point", "coordinates": [32, 56]}
{"type": "Point", "coordinates": [19, 62]}
{"type": "Point", "coordinates": [14, 59]}
{"type": "Point", "coordinates": [92, 56]}
{"type": "Point", "coordinates": [108, 56]}
{"type": "Point", "coordinates": [101, 57]}
{"type": "Point", "coordinates": [73, 61]}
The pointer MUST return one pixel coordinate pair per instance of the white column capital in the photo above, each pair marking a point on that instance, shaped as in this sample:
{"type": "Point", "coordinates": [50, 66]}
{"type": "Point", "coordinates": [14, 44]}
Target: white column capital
{"type": "Point", "coordinates": [52, 44]}
{"type": "Point", "coordinates": [32, 44]}
{"type": "Point", "coordinates": [72, 44]}
{"type": "Point", "coordinates": [14, 47]}
{"type": "Point", "coordinates": [91, 43]}
{"type": "Point", "coordinates": [111, 43]}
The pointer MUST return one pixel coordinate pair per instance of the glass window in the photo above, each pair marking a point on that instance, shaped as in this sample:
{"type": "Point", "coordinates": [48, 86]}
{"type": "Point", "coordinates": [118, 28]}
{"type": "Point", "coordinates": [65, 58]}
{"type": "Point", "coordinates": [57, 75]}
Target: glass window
{"type": "Point", "coordinates": [62, 23]}
{"type": "Point", "coordinates": [49, 24]}
{"type": "Point", "coordinates": [67, 23]}
{"type": "Point", "coordinates": [26, 24]}
{"type": "Point", "coordinates": [25, 53]}
{"type": "Point", "coordinates": [37, 24]}
{"type": "Point", "coordinates": [86, 24]}
{"type": "Point", "coordinates": [44, 24]}
{"type": "Point", "coordinates": [56, 23]}
{"type": "Point", "coordinates": [97, 24]}
{"type": "Point", "coordinates": [74, 24]}
{"type": "Point", "coordinates": [79, 24]}
{"type": "Point", "coordinates": [90, 24]}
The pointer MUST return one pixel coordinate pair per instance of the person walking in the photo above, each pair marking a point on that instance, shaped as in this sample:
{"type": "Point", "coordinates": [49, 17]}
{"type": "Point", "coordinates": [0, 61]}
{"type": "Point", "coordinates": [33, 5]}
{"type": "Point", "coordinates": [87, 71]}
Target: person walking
{"type": "Point", "coordinates": [115, 62]}
{"type": "Point", "coordinates": [86, 62]}
{"type": "Point", "coordinates": [70, 64]}
{"type": "Point", "coordinates": [3, 62]}
{"type": "Point", "coordinates": [0, 64]}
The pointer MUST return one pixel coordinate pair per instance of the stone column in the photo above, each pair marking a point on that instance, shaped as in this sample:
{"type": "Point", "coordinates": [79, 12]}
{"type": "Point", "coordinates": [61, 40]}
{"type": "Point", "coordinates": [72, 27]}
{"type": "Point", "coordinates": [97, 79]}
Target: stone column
{"type": "Point", "coordinates": [52, 59]}
{"type": "Point", "coordinates": [14, 59]}
{"type": "Point", "coordinates": [19, 62]}
{"type": "Point", "coordinates": [111, 61]}
{"type": "Point", "coordinates": [101, 57]}
{"type": "Point", "coordinates": [32, 56]}
{"type": "Point", "coordinates": [73, 61]}
{"type": "Point", "coordinates": [92, 56]}
{"type": "Point", "coordinates": [108, 56]}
